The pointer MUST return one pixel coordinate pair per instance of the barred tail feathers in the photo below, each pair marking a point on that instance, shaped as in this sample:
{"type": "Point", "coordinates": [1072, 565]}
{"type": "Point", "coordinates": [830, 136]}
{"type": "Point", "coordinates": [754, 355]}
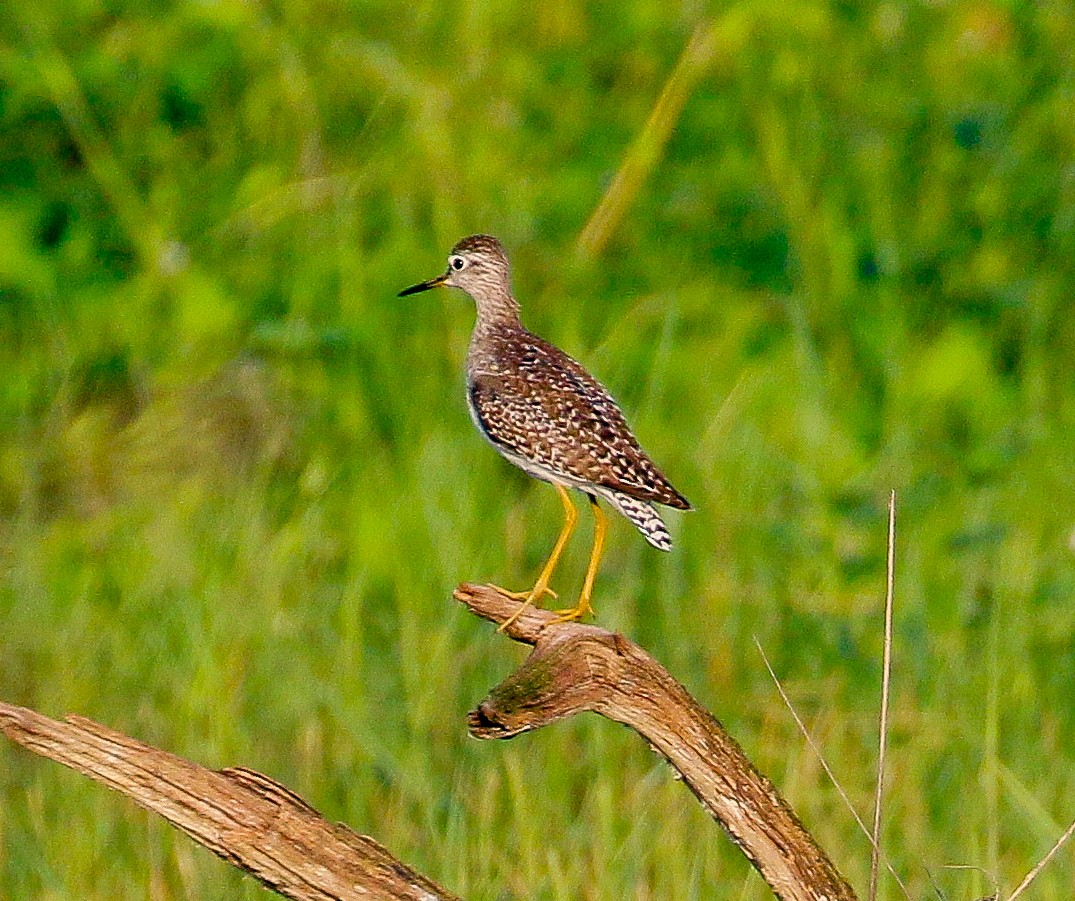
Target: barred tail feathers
{"type": "Point", "coordinates": [645, 518]}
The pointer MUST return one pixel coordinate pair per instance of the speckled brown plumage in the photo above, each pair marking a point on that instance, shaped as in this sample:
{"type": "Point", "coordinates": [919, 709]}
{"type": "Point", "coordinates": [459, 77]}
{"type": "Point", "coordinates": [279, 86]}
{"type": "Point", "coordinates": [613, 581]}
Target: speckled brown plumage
{"type": "Point", "coordinates": [533, 399]}
{"type": "Point", "coordinates": [546, 414]}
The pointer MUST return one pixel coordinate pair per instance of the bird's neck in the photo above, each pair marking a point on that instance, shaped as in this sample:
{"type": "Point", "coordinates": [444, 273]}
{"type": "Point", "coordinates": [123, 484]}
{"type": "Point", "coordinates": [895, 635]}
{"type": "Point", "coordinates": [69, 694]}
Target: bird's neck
{"type": "Point", "coordinates": [492, 333]}
{"type": "Point", "coordinates": [497, 311]}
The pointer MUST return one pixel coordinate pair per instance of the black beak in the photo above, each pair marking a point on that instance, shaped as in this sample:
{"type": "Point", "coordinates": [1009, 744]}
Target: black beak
{"type": "Point", "coordinates": [424, 286]}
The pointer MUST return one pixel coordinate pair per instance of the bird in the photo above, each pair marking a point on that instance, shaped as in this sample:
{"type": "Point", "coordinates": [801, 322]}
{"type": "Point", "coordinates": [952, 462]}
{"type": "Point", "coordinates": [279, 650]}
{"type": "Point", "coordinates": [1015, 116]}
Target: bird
{"type": "Point", "coordinates": [543, 412]}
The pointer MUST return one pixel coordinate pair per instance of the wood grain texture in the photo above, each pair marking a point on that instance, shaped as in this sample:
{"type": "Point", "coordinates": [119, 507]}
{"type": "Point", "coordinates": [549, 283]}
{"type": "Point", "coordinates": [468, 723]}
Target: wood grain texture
{"type": "Point", "coordinates": [575, 668]}
{"type": "Point", "coordinates": [242, 816]}
{"type": "Point", "coordinates": [268, 831]}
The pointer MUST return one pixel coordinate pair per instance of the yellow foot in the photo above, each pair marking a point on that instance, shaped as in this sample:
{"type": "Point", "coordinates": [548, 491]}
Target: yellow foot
{"type": "Point", "coordinates": [527, 597]}
{"type": "Point", "coordinates": [533, 596]}
{"type": "Point", "coordinates": [572, 615]}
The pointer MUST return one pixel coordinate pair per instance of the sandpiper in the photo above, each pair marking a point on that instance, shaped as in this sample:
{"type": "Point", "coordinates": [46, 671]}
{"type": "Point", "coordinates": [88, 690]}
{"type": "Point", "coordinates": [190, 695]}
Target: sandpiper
{"type": "Point", "coordinates": [545, 413]}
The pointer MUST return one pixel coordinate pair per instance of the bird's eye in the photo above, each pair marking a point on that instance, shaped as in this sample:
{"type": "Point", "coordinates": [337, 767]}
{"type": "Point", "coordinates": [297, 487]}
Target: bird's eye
{"type": "Point", "coordinates": [457, 263]}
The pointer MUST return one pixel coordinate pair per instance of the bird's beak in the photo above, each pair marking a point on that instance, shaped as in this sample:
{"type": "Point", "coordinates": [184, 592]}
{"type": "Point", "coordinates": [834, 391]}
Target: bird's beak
{"type": "Point", "coordinates": [424, 286]}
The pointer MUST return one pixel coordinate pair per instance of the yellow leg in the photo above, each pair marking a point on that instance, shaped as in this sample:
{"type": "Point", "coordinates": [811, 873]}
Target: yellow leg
{"type": "Point", "coordinates": [541, 586]}
{"type": "Point", "coordinates": [600, 525]}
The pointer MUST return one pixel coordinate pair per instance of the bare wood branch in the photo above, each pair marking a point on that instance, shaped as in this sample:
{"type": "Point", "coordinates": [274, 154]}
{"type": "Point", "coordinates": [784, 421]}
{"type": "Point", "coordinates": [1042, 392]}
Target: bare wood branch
{"type": "Point", "coordinates": [575, 668]}
{"type": "Point", "coordinates": [242, 816]}
{"type": "Point", "coordinates": [266, 830]}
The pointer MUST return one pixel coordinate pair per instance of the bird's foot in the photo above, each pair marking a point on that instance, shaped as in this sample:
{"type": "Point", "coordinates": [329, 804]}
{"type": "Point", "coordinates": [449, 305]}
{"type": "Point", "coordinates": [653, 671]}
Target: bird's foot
{"type": "Point", "coordinates": [532, 596]}
{"type": "Point", "coordinates": [572, 614]}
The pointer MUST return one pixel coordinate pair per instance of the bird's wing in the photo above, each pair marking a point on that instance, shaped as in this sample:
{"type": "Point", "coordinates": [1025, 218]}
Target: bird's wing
{"type": "Point", "coordinates": [548, 409]}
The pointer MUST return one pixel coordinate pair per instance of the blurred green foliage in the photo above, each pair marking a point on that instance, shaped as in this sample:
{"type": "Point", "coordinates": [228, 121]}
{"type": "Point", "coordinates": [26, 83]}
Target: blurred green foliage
{"type": "Point", "coordinates": [238, 482]}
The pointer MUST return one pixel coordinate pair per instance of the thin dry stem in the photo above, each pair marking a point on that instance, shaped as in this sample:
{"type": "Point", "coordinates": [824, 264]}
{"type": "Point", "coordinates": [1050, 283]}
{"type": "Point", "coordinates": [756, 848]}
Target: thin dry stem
{"type": "Point", "coordinates": [824, 763]}
{"type": "Point", "coordinates": [886, 673]}
{"type": "Point", "coordinates": [1029, 878]}
{"type": "Point", "coordinates": [966, 866]}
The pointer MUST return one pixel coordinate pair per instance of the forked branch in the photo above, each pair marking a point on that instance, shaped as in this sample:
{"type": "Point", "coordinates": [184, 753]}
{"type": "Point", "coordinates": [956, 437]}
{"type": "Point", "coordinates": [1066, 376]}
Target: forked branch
{"type": "Point", "coordinates": [266, 830]}
{"type": "Point", "coordinates": [575, 668]}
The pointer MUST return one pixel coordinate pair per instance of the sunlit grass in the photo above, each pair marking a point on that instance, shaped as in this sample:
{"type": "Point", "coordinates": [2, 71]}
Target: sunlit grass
{"type": "Point", "coordinates": [238, 481]}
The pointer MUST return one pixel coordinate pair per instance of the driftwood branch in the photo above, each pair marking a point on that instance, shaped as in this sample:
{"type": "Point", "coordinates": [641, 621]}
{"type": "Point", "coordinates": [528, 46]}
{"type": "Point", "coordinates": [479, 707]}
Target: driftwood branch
{"type": "Point", "coordinates": [575, 668]}
{"type": "Point", "coordinates": [244, 817]}
{"type": "Point", "coordinates": [271, 833]}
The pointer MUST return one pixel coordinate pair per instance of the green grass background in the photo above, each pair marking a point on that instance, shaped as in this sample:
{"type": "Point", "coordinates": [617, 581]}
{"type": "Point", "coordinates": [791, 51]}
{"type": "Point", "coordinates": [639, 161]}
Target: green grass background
{"type": "Point", "coordinates": [817, 250]}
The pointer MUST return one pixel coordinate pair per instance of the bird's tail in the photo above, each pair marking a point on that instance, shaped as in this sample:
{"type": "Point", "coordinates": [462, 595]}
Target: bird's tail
{"type": "Point", "coordinates": [646, 519]}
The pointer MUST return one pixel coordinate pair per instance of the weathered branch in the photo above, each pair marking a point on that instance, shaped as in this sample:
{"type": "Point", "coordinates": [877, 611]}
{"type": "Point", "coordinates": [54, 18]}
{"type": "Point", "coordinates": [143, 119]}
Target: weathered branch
{"type": "Point", "coordinates": [244, 817]}
{"type": "Point", "coordinates": [575, 668]}
{"type": "Point", "coordinates": [266, 830]}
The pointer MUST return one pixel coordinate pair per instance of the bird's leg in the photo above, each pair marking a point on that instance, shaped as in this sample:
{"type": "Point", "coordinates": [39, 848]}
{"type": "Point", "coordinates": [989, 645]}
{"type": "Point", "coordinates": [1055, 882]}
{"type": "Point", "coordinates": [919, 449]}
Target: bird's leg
{"type": "Point", "coordinates": [600, 525]}
{"type": "Point", "coordinates": [541, 586]}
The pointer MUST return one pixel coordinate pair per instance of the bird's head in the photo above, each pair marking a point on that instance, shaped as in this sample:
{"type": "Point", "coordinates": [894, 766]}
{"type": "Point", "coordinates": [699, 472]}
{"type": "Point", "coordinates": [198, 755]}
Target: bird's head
{"type": "Point", "coordinates": [477, 265]}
